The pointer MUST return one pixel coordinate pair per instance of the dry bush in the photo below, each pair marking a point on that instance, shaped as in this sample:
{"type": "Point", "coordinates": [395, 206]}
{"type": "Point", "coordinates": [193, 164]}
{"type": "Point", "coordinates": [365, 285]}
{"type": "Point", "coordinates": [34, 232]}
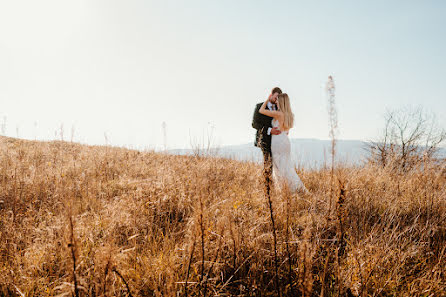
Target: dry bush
{"type": "Point", "coordinates": [410, 136]}
{"type": "Point", "coordinates": [149, 224]}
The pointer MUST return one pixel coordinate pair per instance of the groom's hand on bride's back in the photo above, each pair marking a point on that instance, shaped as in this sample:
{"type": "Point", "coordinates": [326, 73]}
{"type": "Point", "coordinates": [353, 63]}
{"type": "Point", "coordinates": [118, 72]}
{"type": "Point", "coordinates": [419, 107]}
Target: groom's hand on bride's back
{"type": "Point", "coordinates": [275, 131]}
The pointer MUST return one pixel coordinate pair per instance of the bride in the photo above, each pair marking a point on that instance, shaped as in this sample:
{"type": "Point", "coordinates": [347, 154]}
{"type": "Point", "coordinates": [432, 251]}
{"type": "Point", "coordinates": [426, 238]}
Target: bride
{"type": "Point", "coordinates": [283, 119]}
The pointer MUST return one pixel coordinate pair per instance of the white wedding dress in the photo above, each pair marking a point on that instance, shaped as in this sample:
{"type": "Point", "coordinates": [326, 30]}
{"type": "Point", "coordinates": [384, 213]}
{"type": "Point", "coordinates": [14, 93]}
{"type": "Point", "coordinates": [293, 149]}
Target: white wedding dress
{"type": "Point", "coordinates": [283, 168]}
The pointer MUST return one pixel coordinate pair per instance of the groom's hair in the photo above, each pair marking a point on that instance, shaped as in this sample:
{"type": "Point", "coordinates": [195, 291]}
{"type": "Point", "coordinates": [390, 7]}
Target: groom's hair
{"type": "Point", "coordinates": [276, 90]}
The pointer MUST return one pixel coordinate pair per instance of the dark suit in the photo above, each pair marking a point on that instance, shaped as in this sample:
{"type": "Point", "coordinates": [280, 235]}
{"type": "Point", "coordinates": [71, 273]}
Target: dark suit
{"type": "Point", "coordinates": [261, 123]}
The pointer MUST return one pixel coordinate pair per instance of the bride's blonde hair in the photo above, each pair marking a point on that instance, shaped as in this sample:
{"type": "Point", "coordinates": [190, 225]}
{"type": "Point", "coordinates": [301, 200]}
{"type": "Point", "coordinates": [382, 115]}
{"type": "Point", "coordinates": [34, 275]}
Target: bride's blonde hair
{"type": "Point", "coordinates": [285, 107]}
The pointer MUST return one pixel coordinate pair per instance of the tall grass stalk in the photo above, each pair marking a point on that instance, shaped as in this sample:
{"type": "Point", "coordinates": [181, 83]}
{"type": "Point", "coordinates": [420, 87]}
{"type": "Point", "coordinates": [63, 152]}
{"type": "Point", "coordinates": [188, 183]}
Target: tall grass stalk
{"type": "Point", "coordinates": [276, 259]}
{"type": "Point", "coordinates": [72, 246]}
{"type": "Point", "coordinates": [333, 122]}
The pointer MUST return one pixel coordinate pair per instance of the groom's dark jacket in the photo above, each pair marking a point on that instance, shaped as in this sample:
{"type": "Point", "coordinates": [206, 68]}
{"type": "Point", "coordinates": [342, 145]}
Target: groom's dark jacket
{"type": "Point", "coordinates": [261, 123]}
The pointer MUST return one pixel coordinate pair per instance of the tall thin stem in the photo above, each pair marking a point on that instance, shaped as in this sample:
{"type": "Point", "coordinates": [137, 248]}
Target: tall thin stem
{"type": "Point", "coordinates": [276, 264]}
{"type": "Point", "coordinates": [333, 121]}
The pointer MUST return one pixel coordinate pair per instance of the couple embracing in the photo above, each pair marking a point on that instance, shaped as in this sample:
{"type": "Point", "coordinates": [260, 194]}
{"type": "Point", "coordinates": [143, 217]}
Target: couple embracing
{"type": "Point", "coordinates": [273, 120]}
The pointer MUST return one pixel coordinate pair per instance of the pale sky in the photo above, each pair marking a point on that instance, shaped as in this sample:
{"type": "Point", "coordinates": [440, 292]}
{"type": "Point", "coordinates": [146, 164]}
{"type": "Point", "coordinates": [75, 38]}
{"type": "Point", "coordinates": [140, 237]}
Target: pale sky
{"type": "Point", "coordinates": [125, 67]}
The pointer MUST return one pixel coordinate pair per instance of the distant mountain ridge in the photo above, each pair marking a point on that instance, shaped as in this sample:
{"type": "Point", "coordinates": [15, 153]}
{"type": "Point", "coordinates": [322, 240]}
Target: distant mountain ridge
{"type": "Point", "coordinates": [305, 152]}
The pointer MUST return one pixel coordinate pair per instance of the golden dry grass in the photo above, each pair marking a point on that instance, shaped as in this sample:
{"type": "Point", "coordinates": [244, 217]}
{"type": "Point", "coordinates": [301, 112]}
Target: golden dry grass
{"type": "Point", "coordinates": [146, 223]}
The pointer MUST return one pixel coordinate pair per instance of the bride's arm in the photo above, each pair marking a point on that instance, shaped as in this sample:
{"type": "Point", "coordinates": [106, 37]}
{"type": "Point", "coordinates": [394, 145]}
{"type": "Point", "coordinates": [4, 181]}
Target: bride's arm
{"type": "Point", "coordinates": [271, 113]}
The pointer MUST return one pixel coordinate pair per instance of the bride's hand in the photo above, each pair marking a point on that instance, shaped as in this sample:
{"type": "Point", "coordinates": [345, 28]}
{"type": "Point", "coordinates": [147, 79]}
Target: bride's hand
{"type": "Point", "coordinates": [275, 131]}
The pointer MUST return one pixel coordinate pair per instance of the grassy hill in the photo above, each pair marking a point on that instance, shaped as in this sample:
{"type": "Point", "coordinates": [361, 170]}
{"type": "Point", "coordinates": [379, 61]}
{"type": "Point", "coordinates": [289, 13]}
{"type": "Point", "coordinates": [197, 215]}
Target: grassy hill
{"type": "Point", "coordinates": [107, 221]}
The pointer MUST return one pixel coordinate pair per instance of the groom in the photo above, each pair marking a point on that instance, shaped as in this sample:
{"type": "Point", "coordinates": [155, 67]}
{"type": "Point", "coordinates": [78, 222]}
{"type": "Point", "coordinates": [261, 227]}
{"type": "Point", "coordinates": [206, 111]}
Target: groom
{"type": "Point", "coordinates": [263, 125]}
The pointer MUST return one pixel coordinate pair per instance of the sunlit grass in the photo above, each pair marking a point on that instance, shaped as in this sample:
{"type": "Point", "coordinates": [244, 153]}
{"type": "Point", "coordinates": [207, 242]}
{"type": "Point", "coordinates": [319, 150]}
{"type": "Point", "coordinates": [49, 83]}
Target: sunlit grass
{"type": "Point", "coordinates": [146, 223]}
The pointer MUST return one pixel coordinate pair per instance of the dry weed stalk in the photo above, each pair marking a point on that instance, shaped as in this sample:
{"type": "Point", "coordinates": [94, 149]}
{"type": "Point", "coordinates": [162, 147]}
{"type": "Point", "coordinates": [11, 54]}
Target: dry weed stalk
{"type": "Point", "coordinates": [129, 292]}
{"type": "Point", "coordinates": [306, 255]}
{"type": "Point", "coordinates": [72, 246]}
{"type": "Point", "coordinates": [342, 217]}
{"type": "Point", "coordinates": [333, 122]}
{"type": "Point", "coordinates": [273, 225]}
{"type": "Point", "coordinates": [188, 266]}
{"type": "Point", "coordinates": [202, 241]}
{"type": "Point", "coordinates": [287, 195]}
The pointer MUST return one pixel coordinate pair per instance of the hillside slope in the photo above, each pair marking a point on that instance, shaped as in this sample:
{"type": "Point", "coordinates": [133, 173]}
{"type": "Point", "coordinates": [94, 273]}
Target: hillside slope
{"type": "Point", "coordinates": [154, 224]}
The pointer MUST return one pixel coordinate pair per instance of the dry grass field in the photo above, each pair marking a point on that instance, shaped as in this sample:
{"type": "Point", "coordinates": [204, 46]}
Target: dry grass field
{"type": "Point", "coordinates": [78, 220]}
